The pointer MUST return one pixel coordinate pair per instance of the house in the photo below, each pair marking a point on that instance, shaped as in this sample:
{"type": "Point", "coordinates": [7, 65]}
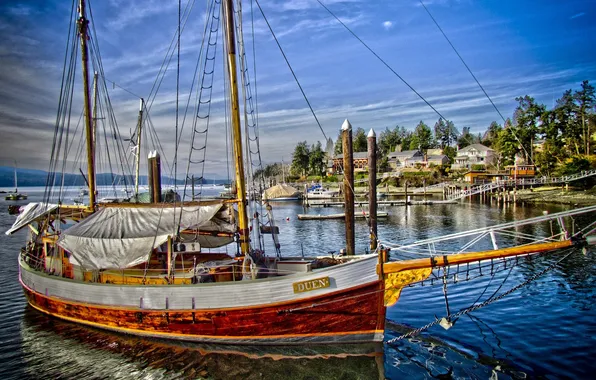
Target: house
{"type": "Point", "coordinates": [475, 154]}
{"type": "Point", "coordinates": [359, 160]}
{"type": "Point", "coordinates": [437, 160]}
{"type": "Point", "coordinates": [407, 158]}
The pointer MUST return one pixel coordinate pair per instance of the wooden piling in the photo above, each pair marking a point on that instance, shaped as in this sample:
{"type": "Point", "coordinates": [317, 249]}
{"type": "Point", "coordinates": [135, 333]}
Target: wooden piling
{"type": "Point", "coordinates": [372, 187]}
{"type": "Point", "coordinates": [346, 135]}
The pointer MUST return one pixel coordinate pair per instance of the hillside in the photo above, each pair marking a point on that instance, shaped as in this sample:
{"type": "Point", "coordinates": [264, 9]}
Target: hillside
{"type": "Point", "coordinates": [29, 177]}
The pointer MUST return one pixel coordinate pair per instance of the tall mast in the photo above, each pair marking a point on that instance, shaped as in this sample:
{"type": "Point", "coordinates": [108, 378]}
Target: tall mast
{"type": "Point", "coordinates": [138, 155]}
{"type": "Point", "coordinates": [94, 117]}
{"type": "Point", "coordinates": [83, 24]}
{"type": "Point", "coordinates": [229, 27]}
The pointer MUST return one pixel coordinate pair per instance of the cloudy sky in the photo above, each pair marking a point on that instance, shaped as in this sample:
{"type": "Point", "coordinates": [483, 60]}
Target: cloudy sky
{"type": "Point", "coordinates": [514, 47]}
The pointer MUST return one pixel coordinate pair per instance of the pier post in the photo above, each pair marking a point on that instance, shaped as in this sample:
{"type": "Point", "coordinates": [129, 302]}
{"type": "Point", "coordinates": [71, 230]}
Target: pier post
{"type": "Point", "coordinates": [346, 136]}
{"type": "Point", "coordinates": [406, 191]}
{"type": "Point", "coordinates": [372, 187]}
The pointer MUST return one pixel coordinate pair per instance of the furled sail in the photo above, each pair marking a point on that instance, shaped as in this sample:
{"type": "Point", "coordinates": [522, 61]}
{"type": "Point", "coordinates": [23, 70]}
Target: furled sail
{"type": "Point", "coordinates": [121, 237]}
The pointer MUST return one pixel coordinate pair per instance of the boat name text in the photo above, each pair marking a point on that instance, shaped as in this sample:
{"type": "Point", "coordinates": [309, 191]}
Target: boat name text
{"type": "Point", "coordinates": [307, 286]}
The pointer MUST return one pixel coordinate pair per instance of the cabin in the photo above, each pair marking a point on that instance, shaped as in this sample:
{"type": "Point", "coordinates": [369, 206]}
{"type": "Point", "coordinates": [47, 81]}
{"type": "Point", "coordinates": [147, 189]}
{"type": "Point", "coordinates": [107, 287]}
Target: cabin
{"type": "Point", "coordinates": [521, 171]}
{"type": "Point", "coordinates": [477, 177]}
{"type": "Point", "coordinates": [475, 154]}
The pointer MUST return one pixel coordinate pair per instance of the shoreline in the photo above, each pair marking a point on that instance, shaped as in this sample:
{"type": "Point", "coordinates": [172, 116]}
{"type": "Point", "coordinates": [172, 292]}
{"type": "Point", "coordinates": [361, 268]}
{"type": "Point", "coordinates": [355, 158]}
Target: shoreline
{"type": "Point", "coordinates": [557, 196]}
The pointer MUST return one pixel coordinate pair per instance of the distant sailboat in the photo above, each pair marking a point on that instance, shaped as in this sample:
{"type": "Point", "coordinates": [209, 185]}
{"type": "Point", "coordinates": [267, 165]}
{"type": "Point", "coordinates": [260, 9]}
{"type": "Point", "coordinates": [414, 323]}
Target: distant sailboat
{"type": "Point", "coordinates": [16, 196]}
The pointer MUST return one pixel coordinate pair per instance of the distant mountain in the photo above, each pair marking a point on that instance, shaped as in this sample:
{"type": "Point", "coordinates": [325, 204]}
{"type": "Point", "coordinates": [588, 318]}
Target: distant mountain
{"type": "Point", "coordinates": [30, 177]}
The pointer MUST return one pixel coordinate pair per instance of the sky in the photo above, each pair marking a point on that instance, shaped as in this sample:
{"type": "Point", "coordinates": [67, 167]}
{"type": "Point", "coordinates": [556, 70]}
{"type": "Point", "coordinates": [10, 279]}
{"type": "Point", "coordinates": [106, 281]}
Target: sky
{"type": "Point", "coordinates": [514, 48]}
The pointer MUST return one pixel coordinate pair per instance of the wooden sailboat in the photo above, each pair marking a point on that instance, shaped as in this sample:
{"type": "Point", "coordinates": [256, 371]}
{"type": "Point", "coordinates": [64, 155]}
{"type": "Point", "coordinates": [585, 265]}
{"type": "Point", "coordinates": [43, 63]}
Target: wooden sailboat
{"type": "Point", "coordinates": [16, 196]}
{"type": "Point", "coordinates": [142, 268]}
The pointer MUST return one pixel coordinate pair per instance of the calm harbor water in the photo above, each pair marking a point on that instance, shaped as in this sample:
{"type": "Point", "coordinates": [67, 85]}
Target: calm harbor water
{"type": "Point", "coordinates": [544, 330]}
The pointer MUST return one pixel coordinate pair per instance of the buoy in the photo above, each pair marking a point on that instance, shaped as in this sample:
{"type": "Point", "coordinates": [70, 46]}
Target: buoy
{"type": "Point", "coordinates": [287, 219]}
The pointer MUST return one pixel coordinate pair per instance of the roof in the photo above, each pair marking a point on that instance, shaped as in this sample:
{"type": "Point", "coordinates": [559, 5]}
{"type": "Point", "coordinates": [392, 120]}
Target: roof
{"type": "Point", "coordinates": [405, 153]}
{"type": "Point", "coordinates": [354, 155]}
{"type": "Point", "coordinates": [478, 147]}
{"type": "Point", "coordinates": [436, 157]}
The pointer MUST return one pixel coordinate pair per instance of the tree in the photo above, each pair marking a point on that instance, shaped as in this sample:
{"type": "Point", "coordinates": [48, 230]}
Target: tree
{"type": "Point", "coordinates": [359, 143]}
{"type": "Point", "coordinates": [465, 138]}
{"type": "Point", "coordinates": [422, 137]}
{"type": "Point", "coordinates": [316, 163]}
{"type": "Point", "coordinates": [445, 133]}
{"type": "Point", "coordinates": [338, 149]}
{"type": "Point", "coordinates": [527, 117]}
{"type": "Point", "coordinates": [388, 140]}
{"type": "Point", "coordinates": [491, 134]}
{"type": "Point", "coordinates": [300, 159]}
{"type": "Point", "coordinates": [586, 99]}
{"type": "Point", "coordinates": [507, 146]}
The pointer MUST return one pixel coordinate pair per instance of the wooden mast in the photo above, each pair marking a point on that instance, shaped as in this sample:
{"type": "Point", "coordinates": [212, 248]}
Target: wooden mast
{"type": "Point", "coordinates": [229, 27]}
{"type": "Point", "coordinates": [83, 24]}
{"type": "Point", "coordinates": [138, 155]}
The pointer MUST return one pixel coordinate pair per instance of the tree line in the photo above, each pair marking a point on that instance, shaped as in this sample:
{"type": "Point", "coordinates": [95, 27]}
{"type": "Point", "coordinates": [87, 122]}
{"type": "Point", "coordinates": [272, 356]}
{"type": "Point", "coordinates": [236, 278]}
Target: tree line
{"type": "Point", "coordinates": [565, 133]}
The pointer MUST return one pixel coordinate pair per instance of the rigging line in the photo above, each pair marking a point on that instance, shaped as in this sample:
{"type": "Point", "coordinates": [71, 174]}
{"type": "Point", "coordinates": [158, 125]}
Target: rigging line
{"type": "Point", "coordinates": [166, 62]}
{"type": "Point", "coordinates": [290, 67]}
{"type": "Point", "coordinates": [382, 61]}
{"type": "Point", "coordinates": [122, 88]}
{"type": "Point", "coordinates": [461, 59]}
{"type": "Point", "coordinates": [65, 74]}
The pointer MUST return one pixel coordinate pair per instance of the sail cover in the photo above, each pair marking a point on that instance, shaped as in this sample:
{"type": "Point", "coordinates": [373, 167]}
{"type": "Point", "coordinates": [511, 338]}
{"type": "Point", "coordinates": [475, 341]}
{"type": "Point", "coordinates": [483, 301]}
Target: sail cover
{"type": "Point", "coordinates": [280, 191]}
{"type": "Point", "coordinates": [118, 237]}
{"type": "Point", "coordinates": [30, 213]}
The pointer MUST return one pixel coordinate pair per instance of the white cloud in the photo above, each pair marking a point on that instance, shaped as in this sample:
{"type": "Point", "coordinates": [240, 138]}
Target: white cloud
{"type": "Point", "coordinates": [387, 25]}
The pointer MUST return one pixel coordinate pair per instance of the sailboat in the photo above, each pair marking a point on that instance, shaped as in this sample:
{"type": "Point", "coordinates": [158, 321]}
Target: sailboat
{"type": "Point", "coordinates": [16, 196]}
{"type": "Point", "coordinates": [149, 269]}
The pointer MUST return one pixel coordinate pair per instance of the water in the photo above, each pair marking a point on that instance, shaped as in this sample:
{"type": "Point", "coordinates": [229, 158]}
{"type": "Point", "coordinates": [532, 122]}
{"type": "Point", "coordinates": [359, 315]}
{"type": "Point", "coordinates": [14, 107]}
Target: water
{"type": "Point", "coordinates": [544, 330]}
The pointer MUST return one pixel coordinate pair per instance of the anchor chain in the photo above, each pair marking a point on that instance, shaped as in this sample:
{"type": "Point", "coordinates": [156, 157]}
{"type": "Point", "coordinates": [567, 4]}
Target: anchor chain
{"type": "Point", "coordinates": [480, 305]}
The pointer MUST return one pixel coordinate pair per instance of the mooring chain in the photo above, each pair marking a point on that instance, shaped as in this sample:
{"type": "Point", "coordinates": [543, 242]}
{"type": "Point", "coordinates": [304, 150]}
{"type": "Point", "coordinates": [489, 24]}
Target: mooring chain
{"type": "Point", "coordinates": [480, 305]}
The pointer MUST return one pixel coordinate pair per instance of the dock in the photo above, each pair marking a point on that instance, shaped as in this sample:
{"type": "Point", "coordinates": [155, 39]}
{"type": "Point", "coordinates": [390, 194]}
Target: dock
{"type": "Point", "coordinates": [357, 215]}
{"type": "Point", "coordinates": [401, 202]}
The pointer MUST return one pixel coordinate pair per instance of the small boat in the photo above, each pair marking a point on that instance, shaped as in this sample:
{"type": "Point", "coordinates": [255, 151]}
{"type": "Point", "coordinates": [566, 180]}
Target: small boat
{"type": "Point", "coordinates": [16, 196]}
{"type": "Point", "coordinates": [358, 215]}
{"type": "Point", "coordinates": [319, 192]}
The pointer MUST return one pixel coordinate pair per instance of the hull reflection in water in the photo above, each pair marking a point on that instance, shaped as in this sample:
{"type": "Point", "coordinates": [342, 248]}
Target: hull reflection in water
{"type": "Point", "coordinates": [53, 348]}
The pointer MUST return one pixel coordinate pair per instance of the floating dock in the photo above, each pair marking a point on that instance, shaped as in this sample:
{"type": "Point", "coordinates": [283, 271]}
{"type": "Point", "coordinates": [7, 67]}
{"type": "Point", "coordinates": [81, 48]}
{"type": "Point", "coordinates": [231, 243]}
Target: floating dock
{"type": "Point", "coordinates": [357, 215]}
{"type": "Point", "coordinates": [401, 202]}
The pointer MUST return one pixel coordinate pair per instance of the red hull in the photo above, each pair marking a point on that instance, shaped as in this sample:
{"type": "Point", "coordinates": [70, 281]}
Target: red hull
{"type": "Point", "coordinates": [356, 315]}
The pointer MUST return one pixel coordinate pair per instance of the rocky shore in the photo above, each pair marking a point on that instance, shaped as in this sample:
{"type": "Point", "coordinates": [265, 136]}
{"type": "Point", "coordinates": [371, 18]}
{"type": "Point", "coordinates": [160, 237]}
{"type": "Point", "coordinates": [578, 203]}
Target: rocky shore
{"type": "Point", "coordinates": [557, 195]}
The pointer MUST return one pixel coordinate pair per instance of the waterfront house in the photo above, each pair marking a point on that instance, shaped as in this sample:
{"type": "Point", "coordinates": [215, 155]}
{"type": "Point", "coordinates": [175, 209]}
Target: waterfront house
{"type": "Point", "coordinates": [475, 154]}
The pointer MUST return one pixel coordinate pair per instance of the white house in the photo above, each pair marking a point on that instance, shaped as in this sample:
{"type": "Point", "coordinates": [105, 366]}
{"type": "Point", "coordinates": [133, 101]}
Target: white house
{"type": "Point", "coordinates": [475, 154]}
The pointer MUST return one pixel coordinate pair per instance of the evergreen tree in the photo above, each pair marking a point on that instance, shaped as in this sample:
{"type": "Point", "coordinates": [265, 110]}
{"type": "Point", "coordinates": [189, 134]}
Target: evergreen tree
{"type": "Point", "coordinates": [316, 163]}
{"type": "Point", "coordinates": [422, 137]}
{"type": "Point", "coordinates": [359, 143]}
{"type": "Point", "coordinates": [300, 158]}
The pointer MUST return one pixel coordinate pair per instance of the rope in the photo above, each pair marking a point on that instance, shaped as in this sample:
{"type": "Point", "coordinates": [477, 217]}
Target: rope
{"type": "Point", "coordinates": [480, 305]}
{"type": "Point", "coordinates": [290, 67]}
{"type": "Point", "coordinates": [382, 61]}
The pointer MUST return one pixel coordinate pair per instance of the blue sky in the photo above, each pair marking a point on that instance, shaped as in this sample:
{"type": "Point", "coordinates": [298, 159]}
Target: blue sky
{"type": "Point", "coordinates": [538, 48]}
